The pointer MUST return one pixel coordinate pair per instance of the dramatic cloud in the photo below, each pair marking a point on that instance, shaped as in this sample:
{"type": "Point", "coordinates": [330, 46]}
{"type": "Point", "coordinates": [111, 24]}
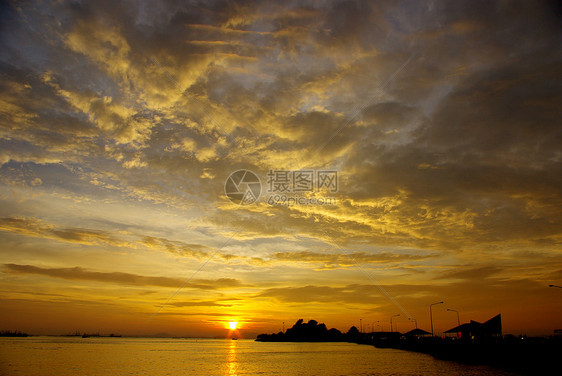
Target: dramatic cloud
{"type": "Point", "coordinates": [121, 121]}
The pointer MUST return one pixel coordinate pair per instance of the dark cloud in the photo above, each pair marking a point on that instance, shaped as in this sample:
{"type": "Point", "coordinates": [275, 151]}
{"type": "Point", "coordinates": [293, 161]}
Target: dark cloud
{"type": "Point", "coordinates": [199, 304]}
{"type": "Point", "coordinates": [183, 249]}
{"type": "Point", "coordinates": [347, 259]}
{"type": "Point", "coordinates": [323, 294]}
{"type": "Point", "coordinates": [472, 273]}
{"type": "Point", "coordinates": [36, 228]}
{"type": "Point", "coordinates": [78, 273]}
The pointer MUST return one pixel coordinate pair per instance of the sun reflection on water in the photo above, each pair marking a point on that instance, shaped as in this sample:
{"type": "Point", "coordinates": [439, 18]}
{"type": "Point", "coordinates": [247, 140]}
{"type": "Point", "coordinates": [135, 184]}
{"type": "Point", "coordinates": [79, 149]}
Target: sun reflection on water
{"type": "Point", "coordinates": [232, 362]}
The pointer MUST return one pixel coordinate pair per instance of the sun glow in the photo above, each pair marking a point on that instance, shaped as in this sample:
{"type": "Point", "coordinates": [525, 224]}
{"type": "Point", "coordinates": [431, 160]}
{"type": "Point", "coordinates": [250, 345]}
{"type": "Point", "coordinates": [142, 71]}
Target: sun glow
{"type": "Point", "coordinates": [232, 325]}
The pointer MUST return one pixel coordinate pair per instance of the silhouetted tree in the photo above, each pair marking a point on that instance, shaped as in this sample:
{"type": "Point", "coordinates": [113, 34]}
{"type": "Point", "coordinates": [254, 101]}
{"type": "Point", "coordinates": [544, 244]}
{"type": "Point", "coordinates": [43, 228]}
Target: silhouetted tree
{"type": "Point", "coordinates": [301, 332]}
{"type": "Point", "coordinates": [352, 334]}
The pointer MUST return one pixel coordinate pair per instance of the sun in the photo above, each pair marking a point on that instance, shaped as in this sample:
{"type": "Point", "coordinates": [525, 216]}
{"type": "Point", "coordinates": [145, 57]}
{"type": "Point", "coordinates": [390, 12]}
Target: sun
{"type": "Point", "coordinates": [232, 325]}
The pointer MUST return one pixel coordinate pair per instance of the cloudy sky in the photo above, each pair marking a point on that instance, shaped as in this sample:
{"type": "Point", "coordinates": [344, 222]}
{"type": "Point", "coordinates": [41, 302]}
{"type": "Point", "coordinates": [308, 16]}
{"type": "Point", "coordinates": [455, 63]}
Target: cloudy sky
{"type": "Point", "coordinates": [121, 121]}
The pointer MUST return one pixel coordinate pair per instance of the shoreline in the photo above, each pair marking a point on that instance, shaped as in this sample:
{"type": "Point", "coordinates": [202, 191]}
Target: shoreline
{"type": "Point", "coordinates": [526, 357]}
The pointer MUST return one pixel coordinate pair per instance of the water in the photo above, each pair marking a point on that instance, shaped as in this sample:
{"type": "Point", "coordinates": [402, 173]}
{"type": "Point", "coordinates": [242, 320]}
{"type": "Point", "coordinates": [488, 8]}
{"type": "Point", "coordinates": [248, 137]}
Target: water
{"type": "Point", "coordinates": [40, 356]}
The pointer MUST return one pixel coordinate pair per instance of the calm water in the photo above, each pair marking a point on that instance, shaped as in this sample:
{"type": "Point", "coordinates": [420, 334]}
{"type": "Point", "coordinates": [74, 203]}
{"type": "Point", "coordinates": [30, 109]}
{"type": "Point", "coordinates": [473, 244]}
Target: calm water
{"type": "Point", "coordinates": [39, 356]}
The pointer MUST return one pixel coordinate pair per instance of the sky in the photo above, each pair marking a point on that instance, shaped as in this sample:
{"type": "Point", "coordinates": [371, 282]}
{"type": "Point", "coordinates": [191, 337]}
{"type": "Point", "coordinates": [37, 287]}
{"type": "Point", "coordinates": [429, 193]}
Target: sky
{"type": "Point", "coordinates": [123, 125]}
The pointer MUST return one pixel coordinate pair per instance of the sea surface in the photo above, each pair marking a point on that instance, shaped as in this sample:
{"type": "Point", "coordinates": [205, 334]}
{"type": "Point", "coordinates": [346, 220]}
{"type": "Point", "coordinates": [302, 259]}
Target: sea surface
{"type": "Point", "coordinates": [78, 356]}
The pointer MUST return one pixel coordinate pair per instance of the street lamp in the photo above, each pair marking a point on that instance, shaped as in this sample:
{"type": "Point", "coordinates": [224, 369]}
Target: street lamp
{"type": "Point", "coordinates": [431, 315]}
{"type": "Point", "coordinates": [391, 321]}
{"type": "Point", "coordinates": [415, 321]}
{"type": "Point", "coordinates": [560, 287]}
{"type": "Point", "coordinates": [458, 319]}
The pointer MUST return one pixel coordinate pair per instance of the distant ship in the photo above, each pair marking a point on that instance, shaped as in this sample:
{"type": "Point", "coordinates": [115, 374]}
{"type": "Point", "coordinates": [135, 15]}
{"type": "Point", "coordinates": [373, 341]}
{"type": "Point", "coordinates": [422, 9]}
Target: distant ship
{"type": "Point", "coordinates": [86, 335]}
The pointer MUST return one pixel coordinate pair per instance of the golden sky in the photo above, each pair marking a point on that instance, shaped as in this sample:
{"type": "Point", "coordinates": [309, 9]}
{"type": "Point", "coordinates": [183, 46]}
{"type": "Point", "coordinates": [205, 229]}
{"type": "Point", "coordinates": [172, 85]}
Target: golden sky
{"type": "Point", "coordinates": [121, 121]}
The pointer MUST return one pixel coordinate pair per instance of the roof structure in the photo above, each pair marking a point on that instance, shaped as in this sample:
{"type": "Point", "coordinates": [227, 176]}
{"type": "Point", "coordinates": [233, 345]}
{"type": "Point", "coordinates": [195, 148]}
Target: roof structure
{"type": "Point", "coordinates": [417, 332]}
{"type": "Point", "coordinates": [491, 327]}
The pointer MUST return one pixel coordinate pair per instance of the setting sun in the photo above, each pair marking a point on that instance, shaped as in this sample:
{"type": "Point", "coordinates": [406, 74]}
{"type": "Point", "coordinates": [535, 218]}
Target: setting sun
{"type": "Point", "coordinates": [232, 325]}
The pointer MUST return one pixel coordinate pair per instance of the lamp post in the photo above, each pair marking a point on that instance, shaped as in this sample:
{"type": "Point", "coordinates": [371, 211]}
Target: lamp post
{"type": "Point", "coordinates": [560, 287]}
{"type": "Point", "coordinates": [391, 321]}
{"type": "Point", "coordinates": [415, 322]}
{"type": "Point", "coordinates": [431, 315]}
{"type": "Point", "coordinates": [458, 319]}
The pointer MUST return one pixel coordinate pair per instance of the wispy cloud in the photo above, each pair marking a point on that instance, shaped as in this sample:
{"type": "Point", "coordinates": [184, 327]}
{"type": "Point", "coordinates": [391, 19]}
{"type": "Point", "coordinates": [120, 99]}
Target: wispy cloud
{"type": "Point", "coordinates": [78, 273]}
{"type": "Point", "coordinates": [349, 259]}
{"type": "Point", "coordinates": [37, 228]}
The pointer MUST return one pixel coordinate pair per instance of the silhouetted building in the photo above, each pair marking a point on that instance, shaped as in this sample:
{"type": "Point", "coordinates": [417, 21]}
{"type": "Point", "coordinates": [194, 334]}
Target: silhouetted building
{"type": "Point", "coordinates": [417, 333]}
{"type": "Point", "coordinates": [475, 331]}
